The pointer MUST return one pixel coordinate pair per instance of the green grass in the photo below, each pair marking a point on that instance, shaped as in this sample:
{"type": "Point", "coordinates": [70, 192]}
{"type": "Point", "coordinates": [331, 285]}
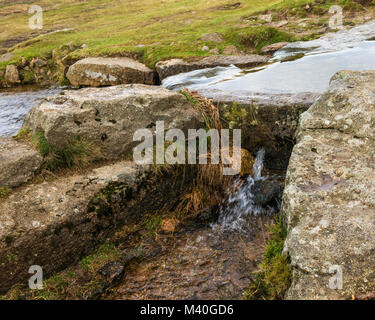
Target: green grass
{"type": "Point", "coordinates": [78, 152]}
{"type": "Point", "coordinates": [5, 191]}
{"type": "Point", "coordinates": [106, 252]}
{"type": "Point", "coordinates": [258, 37]}
{"type": "Point", "coordinates": [147, 30]}
{"type": "Point", "coordinates": [274, 275]}
{"type": "Point", "coordinates": [169, 28]}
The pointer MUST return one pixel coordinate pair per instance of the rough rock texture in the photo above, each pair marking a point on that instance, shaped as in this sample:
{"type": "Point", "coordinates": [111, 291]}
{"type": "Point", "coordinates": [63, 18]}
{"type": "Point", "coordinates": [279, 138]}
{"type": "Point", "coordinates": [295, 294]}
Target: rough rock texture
{"type": "Point", "coordinates": [18, 162]}
{"type": "Point", "coordinates": [97, 72]}
{"type": "Point", "coordinates": [11, 74]}
{"type": "Point", "coordinates": [110, 116]}
{"type": "Point", "coordinates": [273, 47]}
{"type": "Point", "coordinates": [176, 66]}
{"type": "Point", "coordinates": [329, 198]}
{"type": "Point", "coordinates": [54, 223]}
{"type": "Point", "coordinates": [268, 121]}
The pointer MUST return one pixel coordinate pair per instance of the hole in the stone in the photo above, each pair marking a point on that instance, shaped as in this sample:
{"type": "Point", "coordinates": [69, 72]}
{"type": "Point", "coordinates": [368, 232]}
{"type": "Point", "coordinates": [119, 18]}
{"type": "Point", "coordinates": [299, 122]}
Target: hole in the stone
{"type": "Point", "coordinates": [104, 137]}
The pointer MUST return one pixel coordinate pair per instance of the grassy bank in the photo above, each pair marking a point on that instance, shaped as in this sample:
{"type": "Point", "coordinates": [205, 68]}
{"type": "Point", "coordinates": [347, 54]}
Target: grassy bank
{"type": "Point", "coordinates": [274, 274]}
{"type": "Point", "coordinates": [149, 30]}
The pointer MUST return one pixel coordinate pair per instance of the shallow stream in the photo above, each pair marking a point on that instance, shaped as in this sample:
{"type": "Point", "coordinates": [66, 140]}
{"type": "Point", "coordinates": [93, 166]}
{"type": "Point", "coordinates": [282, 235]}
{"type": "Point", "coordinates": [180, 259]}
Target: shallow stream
{"type": "Point", "coordinates": [298, 67]}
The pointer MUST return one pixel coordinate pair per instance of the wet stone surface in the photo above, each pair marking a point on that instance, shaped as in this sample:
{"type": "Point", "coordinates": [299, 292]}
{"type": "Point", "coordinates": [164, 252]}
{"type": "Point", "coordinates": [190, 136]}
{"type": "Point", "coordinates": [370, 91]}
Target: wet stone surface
{"type": "Point", "coordinates": [207, 260]}
{"type": "Point", "coordinates": [202, 263]}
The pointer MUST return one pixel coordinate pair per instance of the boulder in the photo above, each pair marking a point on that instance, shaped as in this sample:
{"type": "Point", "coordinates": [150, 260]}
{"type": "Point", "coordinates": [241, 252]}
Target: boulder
{"type": "Point", "coordinates": [273, 47]}
{"type": "Point", "coordinates": [176, 66]}
{"type": "Point", "coordinates": [18, 162]}
{"type": "Point", "coordinates": [110, 116]}
{"type": "Point", "coordinates": [268, 121]}
{"type": "Point", "coordinates": [329, 197]}
{"type": "Point", "coordinates": [11, 74]}
{"type": "Point", "coordinates": [97, 72]}
{"type": "Point", "coordinates": [55, 223]}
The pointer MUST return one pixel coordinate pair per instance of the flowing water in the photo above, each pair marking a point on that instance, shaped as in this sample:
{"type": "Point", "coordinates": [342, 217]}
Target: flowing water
{"type": "Point", "coordinates": [241, 203]}
{"type": "Point", "coordinates": [217, 261]}
{"type": "Point", "coordinates": [15, 104]}
{"type": "Point", "coordinates": [298, 67]}
{"type": "Point", "coordinates": [206, 262]}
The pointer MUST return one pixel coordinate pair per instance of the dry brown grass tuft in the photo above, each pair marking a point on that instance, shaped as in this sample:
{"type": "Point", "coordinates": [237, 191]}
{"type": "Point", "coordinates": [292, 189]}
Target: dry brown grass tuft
{"type": "Point", "coordinates": [210, 184]}
{"type": "Point", "coordinates": [209, 111]}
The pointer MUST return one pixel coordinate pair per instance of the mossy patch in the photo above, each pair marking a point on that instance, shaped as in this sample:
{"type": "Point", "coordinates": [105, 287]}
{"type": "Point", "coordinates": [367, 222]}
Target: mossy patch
{"type": "Point", "coordinates": [78, 152]}
{"type": "Point", "coordinates": [5, 191]}
{"type": "Point", "coordinates": [106, 252]}
{"type": "Point", "coordinates": [274, 275]}
{"type": "Point", "coordinates": [260, 36]}
{"type": "Point", "coordinates": [23, 134]}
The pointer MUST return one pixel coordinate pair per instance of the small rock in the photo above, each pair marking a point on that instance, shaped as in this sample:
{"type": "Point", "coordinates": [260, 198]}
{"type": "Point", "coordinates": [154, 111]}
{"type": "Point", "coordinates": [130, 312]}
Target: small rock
{"type": "Point", "coordinates": [23, 62]}
{"type": "Point", "coordinates": [175, 66]}
{"type": "Point", "coordinates": [84, 46]}
{"type": "Point", "coordinates": [212, 37]}
{"type": "Point", "coordinates": [18, 162]}
{"type": "Point", "coordinates": [205, 48]}
{"type": "Point", "coordinates": [98, 72]}
{"type": "Point", "coordinates": [6, 57]}
{"type": "Point", "coordinates": [266, 17]}
{"type": "Point", "coordinates": [322, 30]}
{"type": "Point", "coordinates": [231, 50]}
{"type": "Point", "coordinates": [113, 272]}
{"type": "Point", "coordinates": [273, 47]}
{"type": "Point", "coordinates": [11, 74]}
{"type": "Point", "coordinates": [214, 51]}
{"type": "Point", "coordinates": [169, 225]}
{"type": "Point", "coordinates": [37, 63]}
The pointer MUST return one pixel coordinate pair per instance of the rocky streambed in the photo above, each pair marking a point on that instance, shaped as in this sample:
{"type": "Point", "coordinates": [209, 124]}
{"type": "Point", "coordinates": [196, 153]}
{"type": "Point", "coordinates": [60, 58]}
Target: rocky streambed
{"type": "Point", "coordinates": [56, 220]}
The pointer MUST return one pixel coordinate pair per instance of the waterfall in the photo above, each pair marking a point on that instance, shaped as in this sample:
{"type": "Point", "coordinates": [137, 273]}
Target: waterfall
{"type": "Point", "coordinates": [240, 203]}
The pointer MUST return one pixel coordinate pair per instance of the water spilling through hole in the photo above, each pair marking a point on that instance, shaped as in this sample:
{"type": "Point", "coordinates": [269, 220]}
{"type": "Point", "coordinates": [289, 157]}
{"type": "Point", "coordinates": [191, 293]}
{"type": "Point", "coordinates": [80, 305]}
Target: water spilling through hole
{"type": "Point", "coordinates": [250, 197]}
